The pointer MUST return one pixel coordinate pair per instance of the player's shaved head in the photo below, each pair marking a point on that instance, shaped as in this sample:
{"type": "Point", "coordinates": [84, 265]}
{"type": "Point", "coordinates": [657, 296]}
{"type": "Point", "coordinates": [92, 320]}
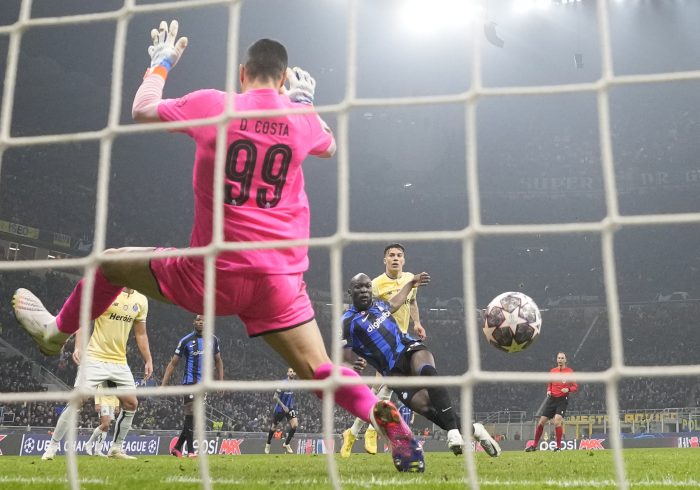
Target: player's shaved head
{"type": "Point", "coordinates": [266, 60]}
{"type": "Point", "coordinates": [361, 277]}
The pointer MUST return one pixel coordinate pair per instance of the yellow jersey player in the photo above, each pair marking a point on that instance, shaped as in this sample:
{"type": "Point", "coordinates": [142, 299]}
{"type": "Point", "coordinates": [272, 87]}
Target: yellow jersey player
{"type": "Point", "coordinates": [384, 287]}
{"type": "Point", "coordinates": [390, 283]}
{"type": "Point", "coordinates": [105, 361]}
{"type": "Point", "coordinates": [106, 406]}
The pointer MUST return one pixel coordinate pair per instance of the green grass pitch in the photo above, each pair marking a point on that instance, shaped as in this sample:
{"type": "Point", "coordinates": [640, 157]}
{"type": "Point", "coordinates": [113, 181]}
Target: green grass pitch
{"type": "Point", "coordinates": [646, 468]}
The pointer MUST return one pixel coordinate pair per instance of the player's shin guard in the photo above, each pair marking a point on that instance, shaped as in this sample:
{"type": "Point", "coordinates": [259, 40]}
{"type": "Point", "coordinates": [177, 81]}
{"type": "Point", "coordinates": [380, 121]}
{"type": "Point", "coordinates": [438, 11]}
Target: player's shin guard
{"type": "Point", "coordinates": [122, 426]}
{"type": "Point", "coordinates": [96, 436]}
{"type": "Point", "coordinates": [290, 434]}
{"type": "Point", "coordinates": [269, 436]}
{"type": "Point", "coordinates": [358, 400]}
{"type": "Point", "coordinates": [104, 294]}
{"type": "Point", "coordinates": [357, 426]}
{"type": "Point", "coordinates": [442, 413]}
{"type": "Point", "coordinates": [63, 423]}
{"type": "Point", "coordinates": [538, 433]}
{"type": "Point", "coordinates": [189, 433]}
{"type": "Point", "coordinates": [559, 431]}
{"type": "Point", "coordinates": [384, 393]}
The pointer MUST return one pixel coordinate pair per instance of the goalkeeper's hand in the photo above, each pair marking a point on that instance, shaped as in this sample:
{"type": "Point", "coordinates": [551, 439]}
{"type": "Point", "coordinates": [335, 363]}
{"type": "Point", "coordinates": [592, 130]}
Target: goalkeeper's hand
{"type": "Point", "coordinates": [165, 51]}
{"type": "Point", "coordinates": [301, 86]}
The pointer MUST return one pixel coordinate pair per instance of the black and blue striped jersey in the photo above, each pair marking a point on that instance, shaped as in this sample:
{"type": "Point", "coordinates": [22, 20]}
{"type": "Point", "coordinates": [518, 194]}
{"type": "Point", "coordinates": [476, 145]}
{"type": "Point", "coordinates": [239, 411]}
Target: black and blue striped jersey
{"type": "Point", "coordinates": [375, 335]}
{"type": "Point", "coordinates": [191, 348]}
{"type": "Point", "coordinates": [286, 396]}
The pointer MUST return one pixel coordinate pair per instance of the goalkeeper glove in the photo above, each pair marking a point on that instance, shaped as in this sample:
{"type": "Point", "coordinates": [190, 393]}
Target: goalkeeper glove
{"type": "Point", "coordinates": [165, 51]}
{"type": "Point", "coordinates": [301, 86]}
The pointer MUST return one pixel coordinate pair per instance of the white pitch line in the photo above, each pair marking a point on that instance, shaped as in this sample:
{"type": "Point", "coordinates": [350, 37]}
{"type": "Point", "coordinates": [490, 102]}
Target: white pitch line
{"type": "Point", "coordinates": [374, 482]}
{"type": "Point", "coordinates": [45, 479]}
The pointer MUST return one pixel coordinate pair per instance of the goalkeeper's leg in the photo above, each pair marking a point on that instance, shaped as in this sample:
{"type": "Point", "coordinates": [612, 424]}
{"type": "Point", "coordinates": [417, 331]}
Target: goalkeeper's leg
{"type": "Point", "coordinates": [50, 332]}
{"type": "Point", "coordinates": [383, 393]}
{"type": "Point", "coordinates": [303, 349]}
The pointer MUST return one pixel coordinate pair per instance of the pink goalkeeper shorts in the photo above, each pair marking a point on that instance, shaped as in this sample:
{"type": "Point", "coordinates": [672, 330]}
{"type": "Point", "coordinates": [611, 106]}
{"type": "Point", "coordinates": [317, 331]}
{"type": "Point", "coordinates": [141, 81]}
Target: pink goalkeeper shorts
{"type": "Point", "coordinates": [264, 302]}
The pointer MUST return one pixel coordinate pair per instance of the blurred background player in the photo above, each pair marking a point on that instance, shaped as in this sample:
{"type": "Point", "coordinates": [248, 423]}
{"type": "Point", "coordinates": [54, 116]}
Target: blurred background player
{"type": "Point", "coordinates": [105, 361]}
{"type": "Point", "coordinates": [106, 407]}
{"type": "Point", "coordinates": [264, 287]}
{"type": "Point", "coordinates": [557, 402]}
{"type": "Point", "coordinates": [370, 331]}
{"type": "Point", "coordinates": [283, 409]}
{"type": "Point", "coordinates": [406, 413]}
{"type": "Point", "coordinates": [384, 287]}
{"type": "Point", "coordinates": [191, 348]}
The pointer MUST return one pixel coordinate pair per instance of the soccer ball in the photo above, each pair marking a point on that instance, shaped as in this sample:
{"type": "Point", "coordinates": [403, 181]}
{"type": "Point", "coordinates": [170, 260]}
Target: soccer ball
{"type": "Point", "coordinates": [512, 322]}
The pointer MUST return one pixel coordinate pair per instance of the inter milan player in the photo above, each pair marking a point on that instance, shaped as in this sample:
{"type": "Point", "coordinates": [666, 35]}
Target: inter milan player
{"type": "Point", "coordinates": [370, 331]}
{"type": "Point", "coordinates": [264, 201]}
{"type": "Point", "coordinates": [558, 392]}
{"type": "Point", "coordinates": [191, 349]}
{"type": "Point", "coordinates": [384, 286]}
{"type": "Point", "coordinates": [283, 409]}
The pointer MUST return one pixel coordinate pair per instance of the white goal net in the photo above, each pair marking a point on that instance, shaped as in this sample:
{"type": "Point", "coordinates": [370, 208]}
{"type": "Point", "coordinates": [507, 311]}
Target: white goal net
{"type": "Point", "coordinates": [527, 145]}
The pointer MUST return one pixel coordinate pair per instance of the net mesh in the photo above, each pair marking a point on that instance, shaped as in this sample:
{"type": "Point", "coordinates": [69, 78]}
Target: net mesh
{"type": "Point", "coordinates": [343, 236]}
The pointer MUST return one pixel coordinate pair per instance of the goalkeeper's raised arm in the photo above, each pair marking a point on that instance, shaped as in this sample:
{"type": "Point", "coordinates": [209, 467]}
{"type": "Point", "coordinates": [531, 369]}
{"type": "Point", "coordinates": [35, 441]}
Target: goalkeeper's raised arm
{"type": "Point", "coordinates": [165, 52]}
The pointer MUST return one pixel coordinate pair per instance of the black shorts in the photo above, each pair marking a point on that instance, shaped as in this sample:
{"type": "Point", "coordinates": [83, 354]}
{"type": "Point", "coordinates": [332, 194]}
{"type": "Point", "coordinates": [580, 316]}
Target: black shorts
{"type": "Point", "coordinates": [403, 368]}
{"type": "Point", "coordinates": [555, 406]}
{"type": "Point", "coordinates": [187, 399]}
{"type": "Point", "coordinates": [277, 417]}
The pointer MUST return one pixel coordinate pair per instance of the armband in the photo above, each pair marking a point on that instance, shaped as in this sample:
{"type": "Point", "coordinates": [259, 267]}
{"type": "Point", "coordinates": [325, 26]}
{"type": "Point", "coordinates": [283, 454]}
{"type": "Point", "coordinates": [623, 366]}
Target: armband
{"type": "Point", "coordinates": [159, 70]}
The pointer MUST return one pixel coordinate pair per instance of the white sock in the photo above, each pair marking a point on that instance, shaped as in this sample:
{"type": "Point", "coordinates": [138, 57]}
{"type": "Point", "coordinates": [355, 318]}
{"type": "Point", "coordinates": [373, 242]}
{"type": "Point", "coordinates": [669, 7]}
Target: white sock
{"type": "Point", "coordinates": [479, 432]}
{"type": "Point", "coordinates": [54, 334]}
{"type": "Point", "coordinates": [384, 393]}
{"type": "Point", "coordinates": [95, 435]}
{"type": "Point", "coordinates": [99, 442]}
{"type": "Point", "coordinates": [357, 426]}
{"type": "Point", "coordinates": [122, 426]}
{"type": "Point", "coordinates": [62, 425]}
{"type": "Point", "coordinates": [454, 433]}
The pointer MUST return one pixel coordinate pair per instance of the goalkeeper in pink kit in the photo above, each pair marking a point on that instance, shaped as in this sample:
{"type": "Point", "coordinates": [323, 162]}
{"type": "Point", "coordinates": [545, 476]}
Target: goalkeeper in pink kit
{"type": "Point", "coordinates": [264, 200]}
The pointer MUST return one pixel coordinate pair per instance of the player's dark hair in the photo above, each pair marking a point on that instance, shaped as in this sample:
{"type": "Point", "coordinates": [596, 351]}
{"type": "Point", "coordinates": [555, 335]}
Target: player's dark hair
{"type": "Point", "coordinates": [267, 60]}
{"type": "Point", "coordinates": [394, 245]}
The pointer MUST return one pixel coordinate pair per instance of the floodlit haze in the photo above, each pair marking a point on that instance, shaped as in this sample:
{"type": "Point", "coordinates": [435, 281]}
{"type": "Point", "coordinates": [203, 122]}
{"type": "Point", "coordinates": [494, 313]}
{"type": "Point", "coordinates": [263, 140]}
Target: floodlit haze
{"type": "Point", "coordinates": [539, 156]}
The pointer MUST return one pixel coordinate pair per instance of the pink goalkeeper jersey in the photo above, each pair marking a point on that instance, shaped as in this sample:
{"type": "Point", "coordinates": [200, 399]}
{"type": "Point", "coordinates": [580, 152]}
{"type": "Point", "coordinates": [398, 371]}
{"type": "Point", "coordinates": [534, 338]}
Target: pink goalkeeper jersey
{"type": "Point", "coordinates": [264, 185]}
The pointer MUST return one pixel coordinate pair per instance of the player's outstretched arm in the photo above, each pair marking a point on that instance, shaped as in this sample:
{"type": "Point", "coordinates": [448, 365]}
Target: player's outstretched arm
{"type": "Point", "coordinates": [400, 298]}
{"type": "Point", "coordinates": [165, 52]}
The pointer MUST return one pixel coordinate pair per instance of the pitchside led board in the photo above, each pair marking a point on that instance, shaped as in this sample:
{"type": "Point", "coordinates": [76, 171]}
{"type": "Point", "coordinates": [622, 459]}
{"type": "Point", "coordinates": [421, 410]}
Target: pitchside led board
{"type": "Point", "coordinates": [34, 444]}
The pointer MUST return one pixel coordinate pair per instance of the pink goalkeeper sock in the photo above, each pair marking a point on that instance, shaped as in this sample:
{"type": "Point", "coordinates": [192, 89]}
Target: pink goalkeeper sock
{"type": "Point", "coordinates": [358, 400]}
{"type": "Point", "coordinates": [68, 319]}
